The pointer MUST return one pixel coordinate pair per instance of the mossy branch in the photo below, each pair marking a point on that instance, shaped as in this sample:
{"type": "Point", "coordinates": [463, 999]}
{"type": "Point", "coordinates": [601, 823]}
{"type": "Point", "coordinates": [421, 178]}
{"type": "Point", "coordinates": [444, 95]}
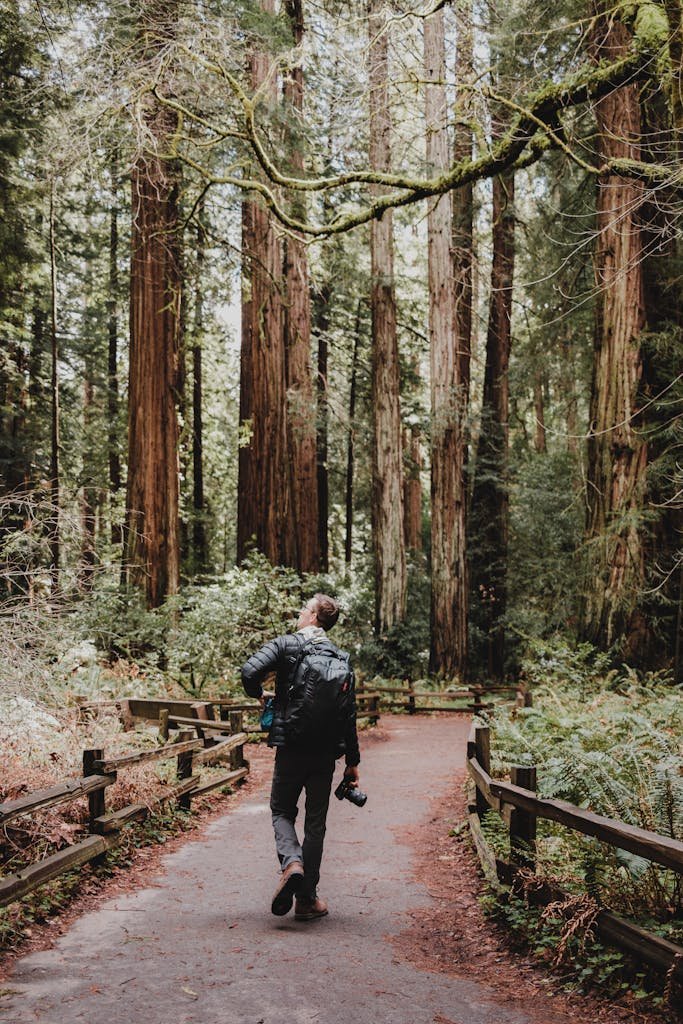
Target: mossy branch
{"type": "Point", "coordinates": [533, 130]}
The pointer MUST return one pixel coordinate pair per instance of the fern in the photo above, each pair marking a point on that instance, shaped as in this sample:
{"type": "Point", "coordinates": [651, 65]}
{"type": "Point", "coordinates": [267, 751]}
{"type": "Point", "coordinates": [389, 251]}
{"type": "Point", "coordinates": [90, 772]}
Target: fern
{"type": "Point", "coordinates": [610, 742]}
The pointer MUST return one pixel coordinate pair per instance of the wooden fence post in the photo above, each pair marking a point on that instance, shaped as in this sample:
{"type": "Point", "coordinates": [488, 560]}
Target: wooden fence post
{"type": "Point", "coordinates": [236, 725]}
{"type": "Point", "coordinates": [374, 709]}
{"type": "Point", "coordinates": [163, 725]}
{"type": "Point", "coordinates": [411, 699]}
{"type": "Point", "coordinates": [96, 798]}
{"type": "Point", "coordinates": [523, 823]}
{"type": "Point", "coordinates": [185, 767]}
{"type": "Point", "coordinates": [482, 750]}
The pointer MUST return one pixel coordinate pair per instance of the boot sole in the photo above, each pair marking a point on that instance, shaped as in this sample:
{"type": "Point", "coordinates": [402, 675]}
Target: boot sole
{"type": "Point", "coordinates": [311, 917]}
{"type": "Point", "coordinates": [284, 897]}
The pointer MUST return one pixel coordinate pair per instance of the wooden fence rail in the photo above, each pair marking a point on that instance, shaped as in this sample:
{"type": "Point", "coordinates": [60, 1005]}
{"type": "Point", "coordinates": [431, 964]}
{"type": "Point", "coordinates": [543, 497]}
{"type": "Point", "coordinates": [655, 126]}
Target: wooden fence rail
{"type": "Point", "coordinates": [519, 805]}
{"type": "Point", "coordinates": [99, 772]}
{"type": "Point", "coordinates": [202, 714]}
{"type": "Point", "coordinates": [407, 698]}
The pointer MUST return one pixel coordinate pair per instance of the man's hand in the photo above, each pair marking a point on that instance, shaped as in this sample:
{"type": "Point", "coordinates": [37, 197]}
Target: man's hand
{"type": "Point", "coordinates": [264, 697]}
{"type": "Point", "coordinates": [351, 772]}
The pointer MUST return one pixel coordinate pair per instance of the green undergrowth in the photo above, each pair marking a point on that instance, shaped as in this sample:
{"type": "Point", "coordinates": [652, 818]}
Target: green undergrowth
{"type": "Point", "coordinates": [608, 741]}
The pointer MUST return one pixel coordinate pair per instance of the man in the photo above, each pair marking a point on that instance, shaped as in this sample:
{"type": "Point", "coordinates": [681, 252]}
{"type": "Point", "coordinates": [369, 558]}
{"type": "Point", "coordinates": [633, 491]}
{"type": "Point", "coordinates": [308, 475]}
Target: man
{"type": "Point", "coordinates": [306, 763]}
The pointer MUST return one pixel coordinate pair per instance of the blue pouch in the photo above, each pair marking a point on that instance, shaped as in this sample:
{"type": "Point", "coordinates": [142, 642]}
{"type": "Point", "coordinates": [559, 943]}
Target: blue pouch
{"type": "Point", "coordinates": [266, 718]}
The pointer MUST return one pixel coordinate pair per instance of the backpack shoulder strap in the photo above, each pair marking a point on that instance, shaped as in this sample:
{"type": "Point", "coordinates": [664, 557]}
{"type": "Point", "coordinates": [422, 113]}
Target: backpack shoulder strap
{"type": "Point", "coordinates": [303, 644]}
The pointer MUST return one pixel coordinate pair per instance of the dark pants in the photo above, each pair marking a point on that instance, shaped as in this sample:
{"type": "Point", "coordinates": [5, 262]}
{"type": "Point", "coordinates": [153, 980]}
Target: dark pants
{"type": "Point", "coordinates": [296, 770]}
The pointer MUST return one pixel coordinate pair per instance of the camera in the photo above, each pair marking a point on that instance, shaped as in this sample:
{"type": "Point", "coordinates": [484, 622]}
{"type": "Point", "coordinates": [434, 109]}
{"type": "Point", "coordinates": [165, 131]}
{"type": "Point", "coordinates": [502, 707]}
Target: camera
{"type": "Point", "coordinates": [345, 791]}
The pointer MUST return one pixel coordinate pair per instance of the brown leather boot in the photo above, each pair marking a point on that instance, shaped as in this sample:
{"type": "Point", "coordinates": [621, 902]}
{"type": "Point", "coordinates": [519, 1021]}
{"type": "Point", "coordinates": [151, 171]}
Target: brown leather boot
{"type": "Point", "coordinates": [290, 883]}
{"type": "Point", "coordinates": [309, 909]}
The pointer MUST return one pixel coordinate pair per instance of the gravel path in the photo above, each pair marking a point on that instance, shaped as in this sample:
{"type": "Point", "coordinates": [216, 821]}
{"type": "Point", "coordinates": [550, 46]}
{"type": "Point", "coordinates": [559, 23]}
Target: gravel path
{"type": "Point", "coordinates": [201, 947]}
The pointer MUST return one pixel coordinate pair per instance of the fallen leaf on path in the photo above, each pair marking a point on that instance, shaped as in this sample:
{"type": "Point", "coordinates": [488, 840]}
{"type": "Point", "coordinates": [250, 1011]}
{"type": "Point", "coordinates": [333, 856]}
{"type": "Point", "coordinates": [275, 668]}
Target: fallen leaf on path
{"type": "Point", "coordinates": [190, 992]}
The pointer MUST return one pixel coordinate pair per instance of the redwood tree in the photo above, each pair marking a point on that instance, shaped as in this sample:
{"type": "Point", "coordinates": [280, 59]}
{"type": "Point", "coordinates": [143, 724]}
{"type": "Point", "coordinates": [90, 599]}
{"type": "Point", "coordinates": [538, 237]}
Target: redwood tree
{"type": "Point", "coordinates": [112, 350]}
{"type": "Point", "coordinates": [617, 453]}
{"type": "Point", "coordinates": [490, 505]}
{"type": "Point", "coordinates": [387, 469]}
{"type": "Point", "coordinates": [199, 543]}
{"type": "Point", "coordinates": [263, 493]}
{"type": "Point", "coordinates": [301, 405]}
{"type": "Point", "coordinates": [448, 610]}
{"type": "Point", "coordinates": [152, 552]}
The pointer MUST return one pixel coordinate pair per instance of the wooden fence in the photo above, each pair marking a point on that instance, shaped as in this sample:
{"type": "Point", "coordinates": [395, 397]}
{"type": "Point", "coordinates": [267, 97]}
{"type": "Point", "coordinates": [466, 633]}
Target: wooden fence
{"type": "Point", "coordinates": [205, 732]}
{"type": "Point", "coordinates": [199, 741]}
{"type": "Point", "coordinates": [407, 698]}
{"type": "Point", "coordinates": [141, 709]}
{"type": "Point", "coordinates": [520, 807]}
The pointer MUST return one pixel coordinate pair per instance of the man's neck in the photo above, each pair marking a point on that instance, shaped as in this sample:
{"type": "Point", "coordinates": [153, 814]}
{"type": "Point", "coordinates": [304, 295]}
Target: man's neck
{"type": "Point", "coordinates": [311, 632]}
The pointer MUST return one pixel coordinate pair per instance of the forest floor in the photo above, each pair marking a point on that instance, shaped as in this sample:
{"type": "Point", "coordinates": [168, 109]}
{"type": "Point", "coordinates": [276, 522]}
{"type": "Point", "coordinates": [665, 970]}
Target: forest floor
{"type": "Point", "coordinates": [186, 936]}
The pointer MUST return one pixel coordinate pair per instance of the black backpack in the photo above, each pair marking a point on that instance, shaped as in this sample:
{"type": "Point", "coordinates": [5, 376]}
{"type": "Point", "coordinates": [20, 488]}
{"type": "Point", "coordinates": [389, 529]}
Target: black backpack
{"type": "Point", "coordinates": [320, 697]}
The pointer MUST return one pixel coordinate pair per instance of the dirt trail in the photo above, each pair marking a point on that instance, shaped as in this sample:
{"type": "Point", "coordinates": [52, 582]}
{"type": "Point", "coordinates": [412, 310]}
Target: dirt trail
{"type": "Point", "coordinates": [201, 947]}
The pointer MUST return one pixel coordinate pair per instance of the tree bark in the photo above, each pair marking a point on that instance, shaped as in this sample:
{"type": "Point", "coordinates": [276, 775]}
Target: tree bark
{"type": "Point", "coordinates": [490, 505]}
{"type": "Point", "coordinates": [264, 516]}
{"type": "Point", "coordinates": [152, 533]}
{"type": "Point", "coordinates": [387, 469]}
{"type": "Point", "coordinates": [322, 321]}
{"type": "Point", "coordinates": [674, 13]}
{"type": "Point", "coordinates": [539, 414]}
{"type": "Point", "coordinates": [412, 489]}
{"type": "Point", "coordinates": [301, 405]}
{"type": "Point", "coordinates": [112, 355]}
{"type": "Point", "coordinates": [463, 215]}
{"type": "Point", "coordinates": [351, 439]}
{"type": "Point", "coordinates": [569, 390]}
{"type": "Point", "coordinates": [617, 454]}
{"type": "Point", "coordinates": [199, 548]}
{"type": "Point", "coordinates": [448, 617]}
{"type": "Point", "coordinates": [54, 403]}
{"type": "Point", "coordinates": [89, 491]}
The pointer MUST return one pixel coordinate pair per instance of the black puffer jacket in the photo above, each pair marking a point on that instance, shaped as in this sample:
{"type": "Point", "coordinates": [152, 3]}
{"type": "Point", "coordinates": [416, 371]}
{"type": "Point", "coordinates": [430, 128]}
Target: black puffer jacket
{"type": "Point", "coordinates": [280, 656]}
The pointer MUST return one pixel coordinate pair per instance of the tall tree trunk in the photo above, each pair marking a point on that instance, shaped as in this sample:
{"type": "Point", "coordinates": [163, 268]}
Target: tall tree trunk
{"type": "Point", "coordinates": [463, 266]}
{"type": "Point", "coordinates": [54, 405]}
{"type": "Point", "coordinates": [569, 390]}
{"type": "Point", "coordinates": [617, 454]}
{"type": "Point", "coordinates": [14, 466]}
{"type": "Point", "coordinates": [198, 520]}
{"type": "Point", "coordinates": [448, 619]}
{"type": "Point", "coordinates": [652, 631]}
{"type": "Point", "coordinates": [463, 215]}
{"type": "Point", "coordinates": [539, 413]}
{"type": "Point", "coordinates": [151, 535]}
{"type": "Point", "coordinates": [263, 493]}
{"type": "Point", "coordinates": [322, 322]}
{"type": "Point", "coordinates": [387, 468]}
{"type": "Point", "coordinates": [490, 505]}
{"type": "Point", "coordinates": [351, 439]}
{"type": "Point", "coordinates": [112, 356]}
{"type": "Point", "coordinates": [246, 468]}
{"type": "Point", "coordinates": [412, 490]}
{"type": "Point", "coordinates": [301, 404]}
{"type": "Point", "coordinates": [89, 491]}
{"type": "Point", "coordinates": [184, 409]}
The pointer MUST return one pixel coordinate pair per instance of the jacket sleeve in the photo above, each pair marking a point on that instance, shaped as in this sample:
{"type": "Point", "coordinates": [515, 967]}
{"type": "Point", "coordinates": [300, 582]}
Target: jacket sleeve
{"type": "Point", "coordinates": [257, 667]}
{"type": "Point", "coordinates": [351, 738]}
